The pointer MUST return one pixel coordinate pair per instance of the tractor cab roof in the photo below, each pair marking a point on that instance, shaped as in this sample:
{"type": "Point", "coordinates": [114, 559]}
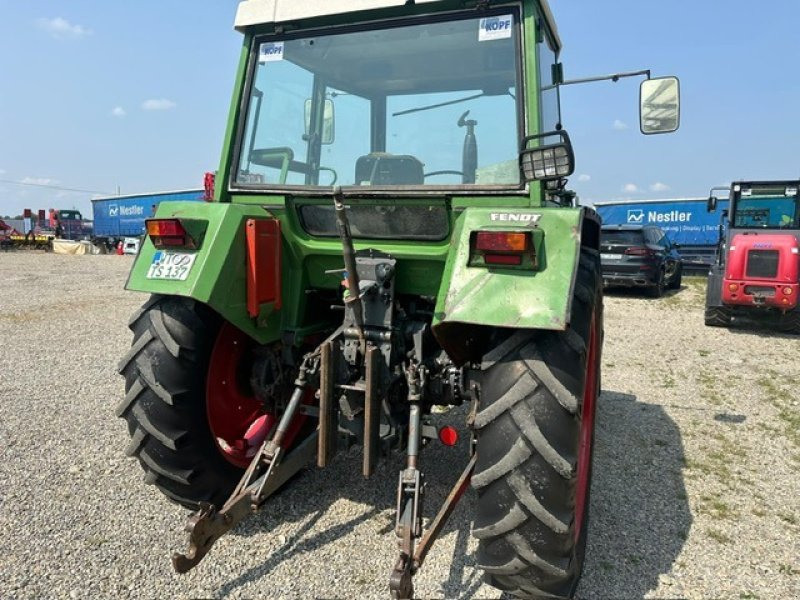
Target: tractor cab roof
{"type": "Point", "coordinates": [263, 12]}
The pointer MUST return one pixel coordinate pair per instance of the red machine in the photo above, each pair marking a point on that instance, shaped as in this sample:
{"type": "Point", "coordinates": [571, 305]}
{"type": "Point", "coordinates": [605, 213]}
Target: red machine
{"type": "Point", "coordinates": [757, 273]}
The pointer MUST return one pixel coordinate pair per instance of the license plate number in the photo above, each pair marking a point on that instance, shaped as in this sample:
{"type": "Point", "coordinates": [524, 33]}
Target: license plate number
{"type": "Point", "coordinates": [174, 266]}
{"type": "Point", "coordinates": [610, 256]}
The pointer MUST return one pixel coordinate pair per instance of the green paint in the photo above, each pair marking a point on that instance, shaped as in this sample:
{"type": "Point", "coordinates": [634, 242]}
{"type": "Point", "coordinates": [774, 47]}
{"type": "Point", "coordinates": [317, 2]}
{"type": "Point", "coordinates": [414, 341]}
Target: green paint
{"type": "Point", "coordinates": [508, 296]}
{"type": "Point", "coordinates": [501, 297]}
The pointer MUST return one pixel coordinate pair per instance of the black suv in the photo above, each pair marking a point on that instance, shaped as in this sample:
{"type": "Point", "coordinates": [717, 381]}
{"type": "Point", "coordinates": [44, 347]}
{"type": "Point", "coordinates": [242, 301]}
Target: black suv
{"type": "Point", "coordinates": [635, 255]}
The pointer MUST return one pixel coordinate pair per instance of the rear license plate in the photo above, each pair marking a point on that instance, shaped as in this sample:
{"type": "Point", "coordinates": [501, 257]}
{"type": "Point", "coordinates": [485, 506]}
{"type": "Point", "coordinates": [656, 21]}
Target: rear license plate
{"type": "Point", "coordinates": [611, 256]}
{"type": "Point", "coordinates": [174, 266]}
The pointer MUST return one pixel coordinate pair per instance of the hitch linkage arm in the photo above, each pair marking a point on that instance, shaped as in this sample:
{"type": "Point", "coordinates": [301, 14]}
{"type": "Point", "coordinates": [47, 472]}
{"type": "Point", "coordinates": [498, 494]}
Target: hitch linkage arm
{"type": "Point", "coordinates": [409, 525]}
{"type": "Point", "coordinates": [207, 525]}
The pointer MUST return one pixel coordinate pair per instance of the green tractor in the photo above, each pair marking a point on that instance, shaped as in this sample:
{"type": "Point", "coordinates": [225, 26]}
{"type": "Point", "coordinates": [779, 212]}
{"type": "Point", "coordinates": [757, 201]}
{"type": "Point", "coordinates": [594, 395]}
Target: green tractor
{"type": "Point", "coordinates": [390, 236]}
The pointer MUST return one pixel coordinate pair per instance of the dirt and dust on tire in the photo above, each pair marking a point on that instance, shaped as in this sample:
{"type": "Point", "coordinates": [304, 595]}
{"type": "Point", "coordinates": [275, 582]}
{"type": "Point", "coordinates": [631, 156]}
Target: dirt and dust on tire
{"type": "Point", "coordinates": [164, 403]}
{"type": "Point", "coordinates": [535, 387]}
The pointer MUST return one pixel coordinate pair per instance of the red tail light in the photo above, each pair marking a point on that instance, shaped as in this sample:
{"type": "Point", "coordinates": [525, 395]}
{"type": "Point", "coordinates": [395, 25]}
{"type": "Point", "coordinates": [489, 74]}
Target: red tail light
{"type": "Point", "coordinates": [639, 251]}
{"type": "Point", "coordinates": [502, 248]}
{"type": "Point", "coordinates": [169, 233]}
{"type": "Point", "coordinates": [491, 241]}
{"type": "Point", "coordinates": [503, 259]}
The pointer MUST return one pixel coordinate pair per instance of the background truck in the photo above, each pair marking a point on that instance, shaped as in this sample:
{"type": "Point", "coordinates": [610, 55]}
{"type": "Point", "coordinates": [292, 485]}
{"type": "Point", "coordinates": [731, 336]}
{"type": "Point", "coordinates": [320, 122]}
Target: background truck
{"type": "Point", "coordinates": [757, 273]}
{"type": "Point", "coordinates": [118, 217]}
{"type": "Point", "coordinates": [68, 224]}
{"type": "Point", "coordinates": [390, 233]}
{"type": "Point", "coordinates": [36, 230]}
{"type": "Point", "coordinates": [686, 221]}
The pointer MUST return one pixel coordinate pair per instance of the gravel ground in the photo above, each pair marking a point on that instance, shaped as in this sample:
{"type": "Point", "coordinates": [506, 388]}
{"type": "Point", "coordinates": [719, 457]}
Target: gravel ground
{"type": "Point", "coordinates": [695, 490]}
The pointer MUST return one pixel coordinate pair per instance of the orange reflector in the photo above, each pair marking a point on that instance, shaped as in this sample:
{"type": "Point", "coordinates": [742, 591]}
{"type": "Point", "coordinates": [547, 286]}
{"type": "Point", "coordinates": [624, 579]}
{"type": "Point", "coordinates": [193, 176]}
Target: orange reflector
{"type": "Point", "coordinates": [448, 436]}
{"type": "Point", "coordinates": [733, 287]}
{"type": "Point", "coordinates": [490, 241]}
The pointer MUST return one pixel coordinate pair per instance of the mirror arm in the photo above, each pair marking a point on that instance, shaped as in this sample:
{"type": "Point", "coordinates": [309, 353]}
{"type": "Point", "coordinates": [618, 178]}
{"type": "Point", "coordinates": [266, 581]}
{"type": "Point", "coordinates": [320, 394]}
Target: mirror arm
{"type": "Point", "coordinates": [615, 77]}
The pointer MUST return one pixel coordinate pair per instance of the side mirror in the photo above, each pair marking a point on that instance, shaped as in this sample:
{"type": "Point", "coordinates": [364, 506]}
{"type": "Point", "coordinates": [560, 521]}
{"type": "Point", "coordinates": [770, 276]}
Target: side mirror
{"type": "Point", "coordinates": [547, 162]}
{"type": "Point", "coordinates": [712, 204]}
{"type": "Point", "coordinates": [328, 121]}
{"type": "Point", "coordinates": [659, 105]}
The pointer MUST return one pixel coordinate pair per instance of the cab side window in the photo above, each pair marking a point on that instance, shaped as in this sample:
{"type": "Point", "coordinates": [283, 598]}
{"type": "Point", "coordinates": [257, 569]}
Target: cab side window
{"type": "Point", "coordinates": [549, 110]}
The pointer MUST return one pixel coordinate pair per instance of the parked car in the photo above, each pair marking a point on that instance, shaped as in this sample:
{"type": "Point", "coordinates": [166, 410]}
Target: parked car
{"type": "Point", "coordinates": [639, 256]}
{"type": "Point", "coordinates": [130, 245]}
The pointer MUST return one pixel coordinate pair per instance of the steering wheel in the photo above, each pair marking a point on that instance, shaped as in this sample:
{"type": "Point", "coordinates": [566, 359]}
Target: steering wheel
{"type": "Point", "coordinates": [330, 170]}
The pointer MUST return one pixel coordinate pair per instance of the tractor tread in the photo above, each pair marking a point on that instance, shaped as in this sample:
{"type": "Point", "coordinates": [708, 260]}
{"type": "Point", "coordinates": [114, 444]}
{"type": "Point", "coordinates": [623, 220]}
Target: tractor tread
{"type": "Point", "coordinates": [518, 454]}
{"type": "Point", "coordinates": [171, 440]}
{"type": "Point", "coordinates": [544, 374]}
{"type": "Point", "coordinates": [524, 550]}
{"type": "Point", "coordinates": [512, 567]}
{"type": "Point", "coordinates": [179, 476]}
{"type": "Point", "coordinates": [500, 352]}
{"type": "Point", "coordinates": [716, 316]}
{"type": "Point", "coordinates": [528, 499]}
{"type": "Point", "coordinates": [164, 404]}
{"type": "Point", "coordinates": [791, 323]}
{"type": "Point", "coordinates": [575, 341]}
{"type": "Point", "coordinates": [133, 393]}
{"type": "Point", "coordinates": [528, 431]}
{"type": "Point", "coordinates": [138, 440]}
{"type": "Point", "coordinates": [136, 348]}
{"type": "Point", "coordinates": [523, 417]}
{"type": "Point", "coordinates": [182, 500]}
{"type": "Point", "coordinates": [513, 519]}
{"type": "Point", "coordinates": [142, 310]}
{"type": "Point", "coordinates": [145, 369]}
{"type": "Point", "coordinates": [515, 394]}
{"type": "Point", "coordinates": [164, 335]}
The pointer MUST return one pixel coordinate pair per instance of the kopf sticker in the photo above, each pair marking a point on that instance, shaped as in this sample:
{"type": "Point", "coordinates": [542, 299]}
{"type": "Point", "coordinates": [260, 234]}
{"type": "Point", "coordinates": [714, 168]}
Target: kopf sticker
{"type": "Point", "coordinates": [495, 28]}
{"type": "Point", "coordinates": [270, 52]}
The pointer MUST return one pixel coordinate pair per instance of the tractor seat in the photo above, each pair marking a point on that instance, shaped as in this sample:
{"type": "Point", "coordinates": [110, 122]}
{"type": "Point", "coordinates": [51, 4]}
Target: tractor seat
{"type": "Point", "coordinates": [380, 168]}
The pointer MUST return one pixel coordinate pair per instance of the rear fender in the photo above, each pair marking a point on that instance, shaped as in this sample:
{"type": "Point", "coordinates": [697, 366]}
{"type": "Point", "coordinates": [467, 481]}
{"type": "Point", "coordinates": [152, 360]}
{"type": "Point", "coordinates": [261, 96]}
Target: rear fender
{"type": "Point", "coordinates": [218, 276]}
{"type": "Point", "coordinates": [473, 299]}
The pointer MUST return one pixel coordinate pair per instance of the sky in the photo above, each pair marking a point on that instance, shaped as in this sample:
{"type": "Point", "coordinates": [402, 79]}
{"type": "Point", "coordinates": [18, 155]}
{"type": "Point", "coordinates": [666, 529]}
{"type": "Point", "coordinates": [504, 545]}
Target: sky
{"type": "Point", "coordinates": [132, 97]}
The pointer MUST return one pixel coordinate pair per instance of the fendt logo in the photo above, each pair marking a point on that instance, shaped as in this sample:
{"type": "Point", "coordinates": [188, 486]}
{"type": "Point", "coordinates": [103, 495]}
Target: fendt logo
{"type": "Point", "coordinates": [636, 216]}
{"type": "Point", "coordinates": [528, 218]}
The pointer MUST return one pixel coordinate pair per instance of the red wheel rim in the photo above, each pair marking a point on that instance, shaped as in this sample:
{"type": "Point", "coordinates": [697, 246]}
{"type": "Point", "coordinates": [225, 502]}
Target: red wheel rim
{"type": "Point", "coordinates": [236, 417]}
{"type": "Point", "coordinates": [590, 392]}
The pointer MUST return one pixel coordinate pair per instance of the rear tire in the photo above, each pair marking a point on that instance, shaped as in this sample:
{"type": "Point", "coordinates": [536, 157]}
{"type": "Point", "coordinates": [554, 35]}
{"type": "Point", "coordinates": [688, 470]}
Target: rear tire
{"type": "Point", "coordinates": [657, 289]}
{"type": "Point", "coordinates": [675, 284]}
{"type": "Point", "coordinates": [717, 316]}
{"type": "Point", "coordinates": [791, 322]}
{"type": "Point", "coordinates": [538, 392]}
{"type": "Point", "coordinates": [165, 402]}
